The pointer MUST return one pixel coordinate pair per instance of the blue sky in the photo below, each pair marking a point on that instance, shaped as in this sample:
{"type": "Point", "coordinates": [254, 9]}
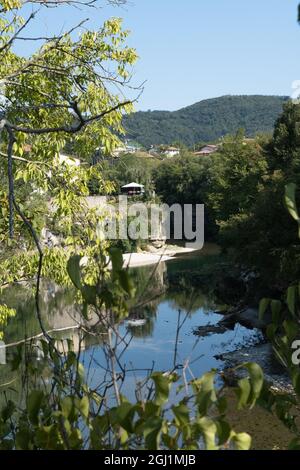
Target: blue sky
{"type": "Point", "coordinates": [196, 49]}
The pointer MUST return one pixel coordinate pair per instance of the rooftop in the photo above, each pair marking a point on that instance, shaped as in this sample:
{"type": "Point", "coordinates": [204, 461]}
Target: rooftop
{"type": "Point", "coordinates": [133, 185]}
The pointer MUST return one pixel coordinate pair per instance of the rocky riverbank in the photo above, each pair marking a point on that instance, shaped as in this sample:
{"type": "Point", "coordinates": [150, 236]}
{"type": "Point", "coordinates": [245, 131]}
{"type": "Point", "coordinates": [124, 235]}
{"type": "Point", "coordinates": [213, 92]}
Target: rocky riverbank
{"type": "Point", "coordinates": [261, 353]}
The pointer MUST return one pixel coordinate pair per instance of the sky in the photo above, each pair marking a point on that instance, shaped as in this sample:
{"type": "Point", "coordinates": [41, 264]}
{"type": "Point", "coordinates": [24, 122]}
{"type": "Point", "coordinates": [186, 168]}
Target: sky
{"type": "Point", "coordinates": [191, 50]}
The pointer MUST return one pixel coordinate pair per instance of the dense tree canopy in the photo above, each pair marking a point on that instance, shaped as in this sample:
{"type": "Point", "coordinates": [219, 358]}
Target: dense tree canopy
{"type": "Point", "coordinates": [186, 180]}
{"type": "Point", "coordinates": [126, 169]}
{"type": "Point", "coordinates": [257, 226]}
{"type": "Point", "coordinates": [205, 121]}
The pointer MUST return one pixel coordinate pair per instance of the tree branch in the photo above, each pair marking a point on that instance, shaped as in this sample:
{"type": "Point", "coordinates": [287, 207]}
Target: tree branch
{"type": "Point", "coordinates": [11, 40]}
{"type": "Point", "coordinates": [67, 129]}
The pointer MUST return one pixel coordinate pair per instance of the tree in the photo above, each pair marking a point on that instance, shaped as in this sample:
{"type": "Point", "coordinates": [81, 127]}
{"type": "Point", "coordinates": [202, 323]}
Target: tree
{"type": "Point", "coordinates": [206, 121]}
{"type": "Point", "coordinates": [247, 195]}
{"type": "Point", "coordinates": [236, 172]}
{"type": "Point", "coordinates": [186, 180]}
{"type": "Point", "coordinates": [286, 142]}
{"type": "Point", "coordinates": [125, 169]}
{"type": "Point", "coordinates": [62, 93]}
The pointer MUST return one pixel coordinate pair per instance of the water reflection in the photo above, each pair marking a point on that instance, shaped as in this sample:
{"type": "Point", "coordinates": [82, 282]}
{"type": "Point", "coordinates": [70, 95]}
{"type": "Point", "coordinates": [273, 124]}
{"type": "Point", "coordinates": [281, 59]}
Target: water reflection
{"type": "Point", "coordinates": [159, 307]}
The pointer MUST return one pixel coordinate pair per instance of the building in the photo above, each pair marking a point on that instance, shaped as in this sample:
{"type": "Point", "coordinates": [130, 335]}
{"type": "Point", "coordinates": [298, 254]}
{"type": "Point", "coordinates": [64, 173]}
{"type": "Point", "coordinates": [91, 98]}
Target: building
{"type": "Point", "coordinates": [171, 152]}
{"type": "Point", "coordinates": [132, 147]}
{"type": "Point", "coordinates": [133, 189]}
{"type": "Point", "coordinates": [207, 150]}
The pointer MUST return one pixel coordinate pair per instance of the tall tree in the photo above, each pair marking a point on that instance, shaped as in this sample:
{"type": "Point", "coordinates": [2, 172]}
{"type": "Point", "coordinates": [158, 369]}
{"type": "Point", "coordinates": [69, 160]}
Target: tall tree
{"type": "Point", "coordinates": [70, 90]}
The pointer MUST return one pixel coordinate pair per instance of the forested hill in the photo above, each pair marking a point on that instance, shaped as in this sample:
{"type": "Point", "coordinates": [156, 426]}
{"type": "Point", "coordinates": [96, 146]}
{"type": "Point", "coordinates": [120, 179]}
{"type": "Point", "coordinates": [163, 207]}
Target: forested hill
{"type": "Point", "coordinates": [205, 121]}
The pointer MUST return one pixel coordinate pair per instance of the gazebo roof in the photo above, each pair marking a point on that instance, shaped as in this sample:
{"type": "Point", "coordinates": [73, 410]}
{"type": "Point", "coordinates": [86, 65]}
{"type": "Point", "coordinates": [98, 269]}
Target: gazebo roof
{"type": "Point", "coordinates": [133, 185]}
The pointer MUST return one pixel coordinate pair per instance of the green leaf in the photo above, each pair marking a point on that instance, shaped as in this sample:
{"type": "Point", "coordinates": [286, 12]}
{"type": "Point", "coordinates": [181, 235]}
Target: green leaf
{"type": "Point", "coordinates": [243, 392]}
{"type": "Point", "coordinates": [224, 431]}
{"type": "Point", "coordinates": [123, 416]}
{"type": "Point", "coordinates": [291, 328]}
{"type": "Point", "coordinates": [222, 404]}
{"type": "Point", "coordinates": [205, 390]}
{"type": "Point", "coordinates": [209, 430]}
{"type": "Point", "coordinates": [126, 282]}
{"type": "Point", "coordinates": [75, 439]}
{"type": "Point", "coordinates": [34, 403]}
{"type": "Point", "coordinates": [73, 268]}
{"type": "Point", "coordinates": [23, 439]}
{"type": "Point", "coordinates": [182, 414]}
{"type": "Point", "coordinates": [71, 360]}
{"type": "Point", "coordinates": [290, 200]}
{"type": "Point", "coordinates": [291, 299]}
{"type": "Point", "coordinates": [116, 259]}
{"type": "Point", "coordinates": [162, 387]}
{"type": "Point", "coordinates": [257, 380]}
{"type": "Point", "coordinates": [152, 432]}
{"type": "Point", "coordinates": [271, 331]}
{"type": "Point", "coordinates": [84, 407]}
{"type": "Point", "coordinates": [89, 294]}
{"type": "Point", "coordinates": [8, 410]}
{"type": "Point", "coordinates": [242, 441]}
{"type": "Point", "coordinates": [149, 409]}
{"type": "Point", "coordinates": [80, 374]}
{"type": "Point", "coordinates": [48, 437]}
{"type": "Point", "coordinates": [17, 358]}
{"type": "Point", "coordinates": [296, 381]}
{"type": "Point", "coordinates": [263, 305]}
{"type": "Point", "coordinates": [66, 406]}
{"type": "Point", "coordinates": [276, 309]}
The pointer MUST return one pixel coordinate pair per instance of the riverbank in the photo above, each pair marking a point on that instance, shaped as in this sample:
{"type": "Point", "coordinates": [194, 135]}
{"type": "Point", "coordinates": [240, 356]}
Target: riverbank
{"type": "Point", "coordinates": [168, 252]}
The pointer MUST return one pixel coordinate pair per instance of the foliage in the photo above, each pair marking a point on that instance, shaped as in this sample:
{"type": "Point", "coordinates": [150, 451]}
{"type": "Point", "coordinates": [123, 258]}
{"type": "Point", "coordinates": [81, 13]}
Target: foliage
{"type": "Point", "coordinates": [205, 121]}
{"type": "Point", "coordinates": [126, 169]}
{"type": "Point", "coordinates": [186, 180]}
{"type": "Point", "coordinates": [69, 422]}
{"type": "Point", "coordinates": [236, 172]}
{"type": "Point", "coordinates": [56, 98]}
{"type": "Point", "coordinates": [66, 93]}
{"type": "Point", "coordinates": [283, 333]}
{"type": "Point", "coordinates": [252, 226]}
{"type": "Point", "coordinates": [5, 314]}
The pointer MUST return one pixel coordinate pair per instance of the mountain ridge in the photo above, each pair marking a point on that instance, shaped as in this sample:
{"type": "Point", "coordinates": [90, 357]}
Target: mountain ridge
{"type": "Point", "coordinates": [207, 120]}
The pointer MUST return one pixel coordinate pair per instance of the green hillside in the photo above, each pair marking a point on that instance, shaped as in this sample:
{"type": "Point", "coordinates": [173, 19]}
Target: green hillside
{"type": "Point", "coordinates": [205, 121]}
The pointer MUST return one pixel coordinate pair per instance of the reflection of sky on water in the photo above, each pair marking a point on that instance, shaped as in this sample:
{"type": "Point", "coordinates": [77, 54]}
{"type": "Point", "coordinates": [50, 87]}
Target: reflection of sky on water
{"type": "Point", "coordinates": [159, 348]}
{"type": "Point", "coordinates": [152, 345]}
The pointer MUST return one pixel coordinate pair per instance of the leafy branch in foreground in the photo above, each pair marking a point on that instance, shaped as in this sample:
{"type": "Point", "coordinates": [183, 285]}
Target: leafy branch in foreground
{"type": "Point", "coordinates": [283, 331]}
{"type": "Point", "coordinates": [71, 421]}
{"type": "Point", "coordinates": [66, 93]}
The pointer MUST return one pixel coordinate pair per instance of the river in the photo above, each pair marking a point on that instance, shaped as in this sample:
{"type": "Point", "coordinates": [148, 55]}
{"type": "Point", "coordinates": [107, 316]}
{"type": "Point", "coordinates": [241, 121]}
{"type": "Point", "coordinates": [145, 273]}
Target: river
{"type": "Point", "coordinates": [160, 332]}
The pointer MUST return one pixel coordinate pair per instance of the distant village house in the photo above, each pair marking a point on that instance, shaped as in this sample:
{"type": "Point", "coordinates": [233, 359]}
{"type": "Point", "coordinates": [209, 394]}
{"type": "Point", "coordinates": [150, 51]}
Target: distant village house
{"type": "Point", "coordinates": [171, 152]}
{"type": "Point", "coordinates": [207, 150]}
{"type": "Point", "coordinates": [133, 189]}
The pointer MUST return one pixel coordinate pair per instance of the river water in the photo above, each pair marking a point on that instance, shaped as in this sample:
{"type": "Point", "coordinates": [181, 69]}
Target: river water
{"type": "Point", "coordinates": [161, 330]}
{"type": "Point", "coordinates": [160, 335]}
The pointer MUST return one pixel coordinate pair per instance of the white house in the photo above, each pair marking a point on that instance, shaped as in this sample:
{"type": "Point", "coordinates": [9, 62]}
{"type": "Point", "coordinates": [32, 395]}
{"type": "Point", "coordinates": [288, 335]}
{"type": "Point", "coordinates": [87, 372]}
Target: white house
{"type": "Point", "coordinates": [171, 152]}
{"type": "Point", "coordinates": [133, 189]}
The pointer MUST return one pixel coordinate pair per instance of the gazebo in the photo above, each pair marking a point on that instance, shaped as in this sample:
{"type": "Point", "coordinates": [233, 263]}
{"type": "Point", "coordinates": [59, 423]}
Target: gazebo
{"type": "Point", "coordinates": [133, 189]}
